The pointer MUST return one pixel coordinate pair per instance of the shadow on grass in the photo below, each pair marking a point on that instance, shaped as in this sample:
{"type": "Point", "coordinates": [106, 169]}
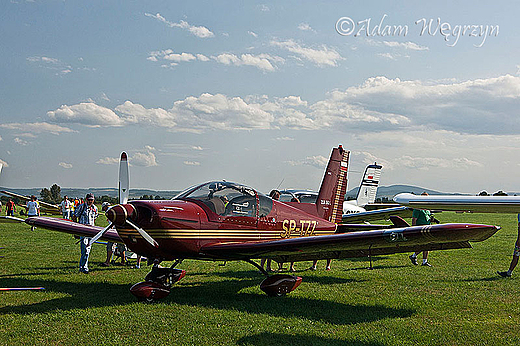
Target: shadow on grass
{"type": "Point", "coordinates": [284, 339]}
{"type": "Point", "coordinates": [223, 295]}
{"type": "Point", "coordinates": [310, 277]}
{"type": "Point", "coordinates": [493, 278]}
{"type": "Point", "coordinates": [379, 267]}
{"type": "Point", "coordinates": [80, 295]}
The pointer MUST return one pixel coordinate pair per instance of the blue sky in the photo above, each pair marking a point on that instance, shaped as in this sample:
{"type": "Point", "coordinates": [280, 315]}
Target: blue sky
{"type": "Point", "coordinates": [258, 92]}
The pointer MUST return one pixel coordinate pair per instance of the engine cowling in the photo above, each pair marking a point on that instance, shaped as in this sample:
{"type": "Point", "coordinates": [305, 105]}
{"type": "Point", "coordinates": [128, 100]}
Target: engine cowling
{"type": "Point", "coordinates": [118, 214]}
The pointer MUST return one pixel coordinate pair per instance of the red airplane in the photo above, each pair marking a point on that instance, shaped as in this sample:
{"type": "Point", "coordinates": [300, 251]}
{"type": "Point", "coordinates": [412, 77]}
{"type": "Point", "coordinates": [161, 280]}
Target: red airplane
{"type": "Point", "coordinates": [222, 220]}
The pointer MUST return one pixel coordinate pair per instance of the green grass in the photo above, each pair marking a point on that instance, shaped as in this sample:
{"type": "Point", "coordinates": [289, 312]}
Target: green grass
{"type": "Point", "coordinates": [459, 301]}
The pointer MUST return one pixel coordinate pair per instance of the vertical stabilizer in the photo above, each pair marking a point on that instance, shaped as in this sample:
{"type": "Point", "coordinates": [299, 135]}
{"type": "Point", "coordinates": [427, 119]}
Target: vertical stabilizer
{"type": "Point", "coordinates": [329, 204]}
{"type": "Point", "coordinates": [368, 187]}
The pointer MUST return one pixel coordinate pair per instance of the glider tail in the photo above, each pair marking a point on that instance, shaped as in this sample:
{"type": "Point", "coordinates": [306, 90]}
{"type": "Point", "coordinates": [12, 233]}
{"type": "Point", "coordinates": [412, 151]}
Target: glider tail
{"type": "Point", "coordinates": [368, 187]}
{"type": "Point", "coordinates": [329, 204]}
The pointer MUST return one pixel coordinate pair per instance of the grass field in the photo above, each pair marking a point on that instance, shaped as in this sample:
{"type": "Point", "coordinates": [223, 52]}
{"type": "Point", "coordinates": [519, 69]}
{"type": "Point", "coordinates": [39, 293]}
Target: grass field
{"type": "Point", "coordinates": [459, 301]}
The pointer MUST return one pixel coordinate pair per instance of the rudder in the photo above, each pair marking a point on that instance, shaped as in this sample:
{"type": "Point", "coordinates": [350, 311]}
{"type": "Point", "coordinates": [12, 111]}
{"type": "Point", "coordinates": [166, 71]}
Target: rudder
{"type": "Point", "coordinates": [329, 204]}
{"type": "Point", "coordinates": [368, 187]}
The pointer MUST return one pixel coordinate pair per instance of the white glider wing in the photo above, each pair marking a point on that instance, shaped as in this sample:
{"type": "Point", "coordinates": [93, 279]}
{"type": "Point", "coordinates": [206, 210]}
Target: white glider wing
{"type": "Point", "coordinates": [475, 204]}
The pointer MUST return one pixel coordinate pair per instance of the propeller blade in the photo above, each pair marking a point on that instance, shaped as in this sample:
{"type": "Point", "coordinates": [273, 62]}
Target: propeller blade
{"type": "Point", "coordinates": [124, 181]}
{"type": "Point", "coordinates": [142, 232]}
{"type": "Point", "coordinates": [100, 234]}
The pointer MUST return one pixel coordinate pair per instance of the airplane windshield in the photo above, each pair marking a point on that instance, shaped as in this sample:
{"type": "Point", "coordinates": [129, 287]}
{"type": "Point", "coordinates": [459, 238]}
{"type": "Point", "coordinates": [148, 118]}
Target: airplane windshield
{"type": "Point", "coordinates": [225, 198]}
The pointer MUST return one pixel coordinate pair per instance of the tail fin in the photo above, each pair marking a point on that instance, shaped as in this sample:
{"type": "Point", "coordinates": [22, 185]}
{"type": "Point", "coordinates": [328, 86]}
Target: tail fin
{"type": "Point", "coordinates": [368, 187]}
{"type": "Point", "coordinates": [329, 204]}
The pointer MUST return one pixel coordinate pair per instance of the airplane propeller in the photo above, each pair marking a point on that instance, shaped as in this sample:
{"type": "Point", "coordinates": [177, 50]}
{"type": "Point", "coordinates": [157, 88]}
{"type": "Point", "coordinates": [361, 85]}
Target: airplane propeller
{"type": "Point", "coordinates": [124, 181]}
{"type": "Point", "coordinates": [118, 214]}
{"type": "Point", "coordinates": [143, 234]}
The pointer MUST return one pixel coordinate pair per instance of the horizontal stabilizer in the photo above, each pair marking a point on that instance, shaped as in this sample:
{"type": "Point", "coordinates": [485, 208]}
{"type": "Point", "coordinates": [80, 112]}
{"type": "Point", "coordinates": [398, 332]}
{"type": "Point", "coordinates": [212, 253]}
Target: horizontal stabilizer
{"type": "Point", "coordinates": [379, 214]}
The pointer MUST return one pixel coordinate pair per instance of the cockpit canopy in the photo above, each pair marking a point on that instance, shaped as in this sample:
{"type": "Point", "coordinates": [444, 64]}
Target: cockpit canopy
{"type": "Point", "coordinates": [229, 199]}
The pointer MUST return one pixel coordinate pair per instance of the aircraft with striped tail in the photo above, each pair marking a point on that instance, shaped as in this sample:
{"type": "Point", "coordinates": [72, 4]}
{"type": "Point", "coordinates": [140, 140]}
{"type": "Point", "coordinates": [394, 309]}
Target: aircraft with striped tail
{"type": "Point", "coordinates": [221, 220]}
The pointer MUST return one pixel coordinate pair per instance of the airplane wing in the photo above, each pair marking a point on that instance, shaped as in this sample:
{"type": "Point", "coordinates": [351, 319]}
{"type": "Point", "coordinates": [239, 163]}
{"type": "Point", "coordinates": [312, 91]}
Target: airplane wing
{"type": "Point", "coordinates": [476, 204]}
{"type": "Point", "coordinates": [12, 194]}
{"type": "Point", "coordinates": [357, 244]}
{"type": "Point", "coordinates": [373, 215]}
{"type": "Point", "coordinates": [65, 226]}
{"type": "Point", "coordinates": [44, 206]}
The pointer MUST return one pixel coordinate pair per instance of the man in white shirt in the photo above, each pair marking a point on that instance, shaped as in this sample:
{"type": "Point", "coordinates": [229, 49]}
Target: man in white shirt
{"type": "Point", "coordinates": [65, 207]}
{"type": "Point", "coordinates": [33, 207]}
{"type": "Point", "coordinates": [86, 214]}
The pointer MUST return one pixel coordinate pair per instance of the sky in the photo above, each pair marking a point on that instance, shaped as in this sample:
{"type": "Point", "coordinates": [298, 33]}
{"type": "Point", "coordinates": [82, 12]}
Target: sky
{"type": "Point", "coordinates": [259, 92]}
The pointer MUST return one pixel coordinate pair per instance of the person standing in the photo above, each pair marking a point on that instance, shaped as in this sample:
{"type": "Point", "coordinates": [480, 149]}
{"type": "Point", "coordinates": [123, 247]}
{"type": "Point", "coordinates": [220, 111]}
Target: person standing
{"type": "Point", "coordinates": [421, 217]}
{"type": "Point", "coordinates": [315, 263]}
{"type": "Point", "coordinates": [65, 206]}
{"type": "Point", "coordinates": [85, 214]}
{"type": "Point", "coordinates": [10, 208]}
{"type": "Point", "coordinates": [516, 254]}
{"type": "Point", "coordinates": [33, 207]}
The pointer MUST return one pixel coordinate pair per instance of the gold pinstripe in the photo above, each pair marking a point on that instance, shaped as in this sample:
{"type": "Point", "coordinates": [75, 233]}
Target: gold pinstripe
{"type": "Point", "coordinates": [221, 234]}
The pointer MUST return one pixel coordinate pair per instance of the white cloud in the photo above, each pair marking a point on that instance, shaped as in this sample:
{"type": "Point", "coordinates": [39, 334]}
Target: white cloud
{"type": "Point", "coordinates": [220, 112]}
{"type": "Point", "coordinates": [324, 56]}
{"type": "Point", "coordinates": [199, 31]}
{"type": "Point", "coordinates": [192, 163]}
{"type": "Point", "coordinates": [486, 106]}
{"type": "Point", "coordinates": [262, 61]}
{"type": "Point", "coordinates": [202, 57]}
{"type": "Point", "coordinates": [387, 56]}
{"type": "Point", "coordinates": [476, 106]}
{"type": "Point", "coordinates": [252, 34]}
{"type": "Point", "coordinates": [108, 161]}
{"type": "Point", "coordinates": [179, 57]}
{"type": "Point", "coordinates": [87, 113]}
{"type": "Point", "coordinates": [43, 59]}
{"type": "Point", "coordinates": [305, 27]}
{"type": "Point", "coordinates": [314, 161]}
{"type": "Point", "coordinates": [285, 139]}
{"type": "Point", "coordinates": [422, 163]}
{"type": "Point", "coordinates": [137, 114]}
{"type": "Point", "coordinates": [196, 147]}
{"type": "Point", "coordinates": [406, 45]}
{"type": "Point", "coordinates": [65, 165]}
{"type": "Point", "coordinates": [20, 141]}
{"type": "Point", "coordinates": [37, 127]}
{"type": "Point", "coordinates": [61, 68]}
{"type": "Point", "coordinates": [143, 159]}
{"type": "Point", "coordinates": [264, 8]}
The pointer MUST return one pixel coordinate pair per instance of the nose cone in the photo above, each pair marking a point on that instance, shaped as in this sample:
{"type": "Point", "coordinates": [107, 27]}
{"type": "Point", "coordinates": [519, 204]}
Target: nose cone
{"type": "Point", "coordinates": [118, 214]}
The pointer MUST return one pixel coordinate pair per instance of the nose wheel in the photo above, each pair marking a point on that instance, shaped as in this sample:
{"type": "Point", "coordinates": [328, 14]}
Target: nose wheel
{"type": "Point", "coordinates": [157, 284]}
